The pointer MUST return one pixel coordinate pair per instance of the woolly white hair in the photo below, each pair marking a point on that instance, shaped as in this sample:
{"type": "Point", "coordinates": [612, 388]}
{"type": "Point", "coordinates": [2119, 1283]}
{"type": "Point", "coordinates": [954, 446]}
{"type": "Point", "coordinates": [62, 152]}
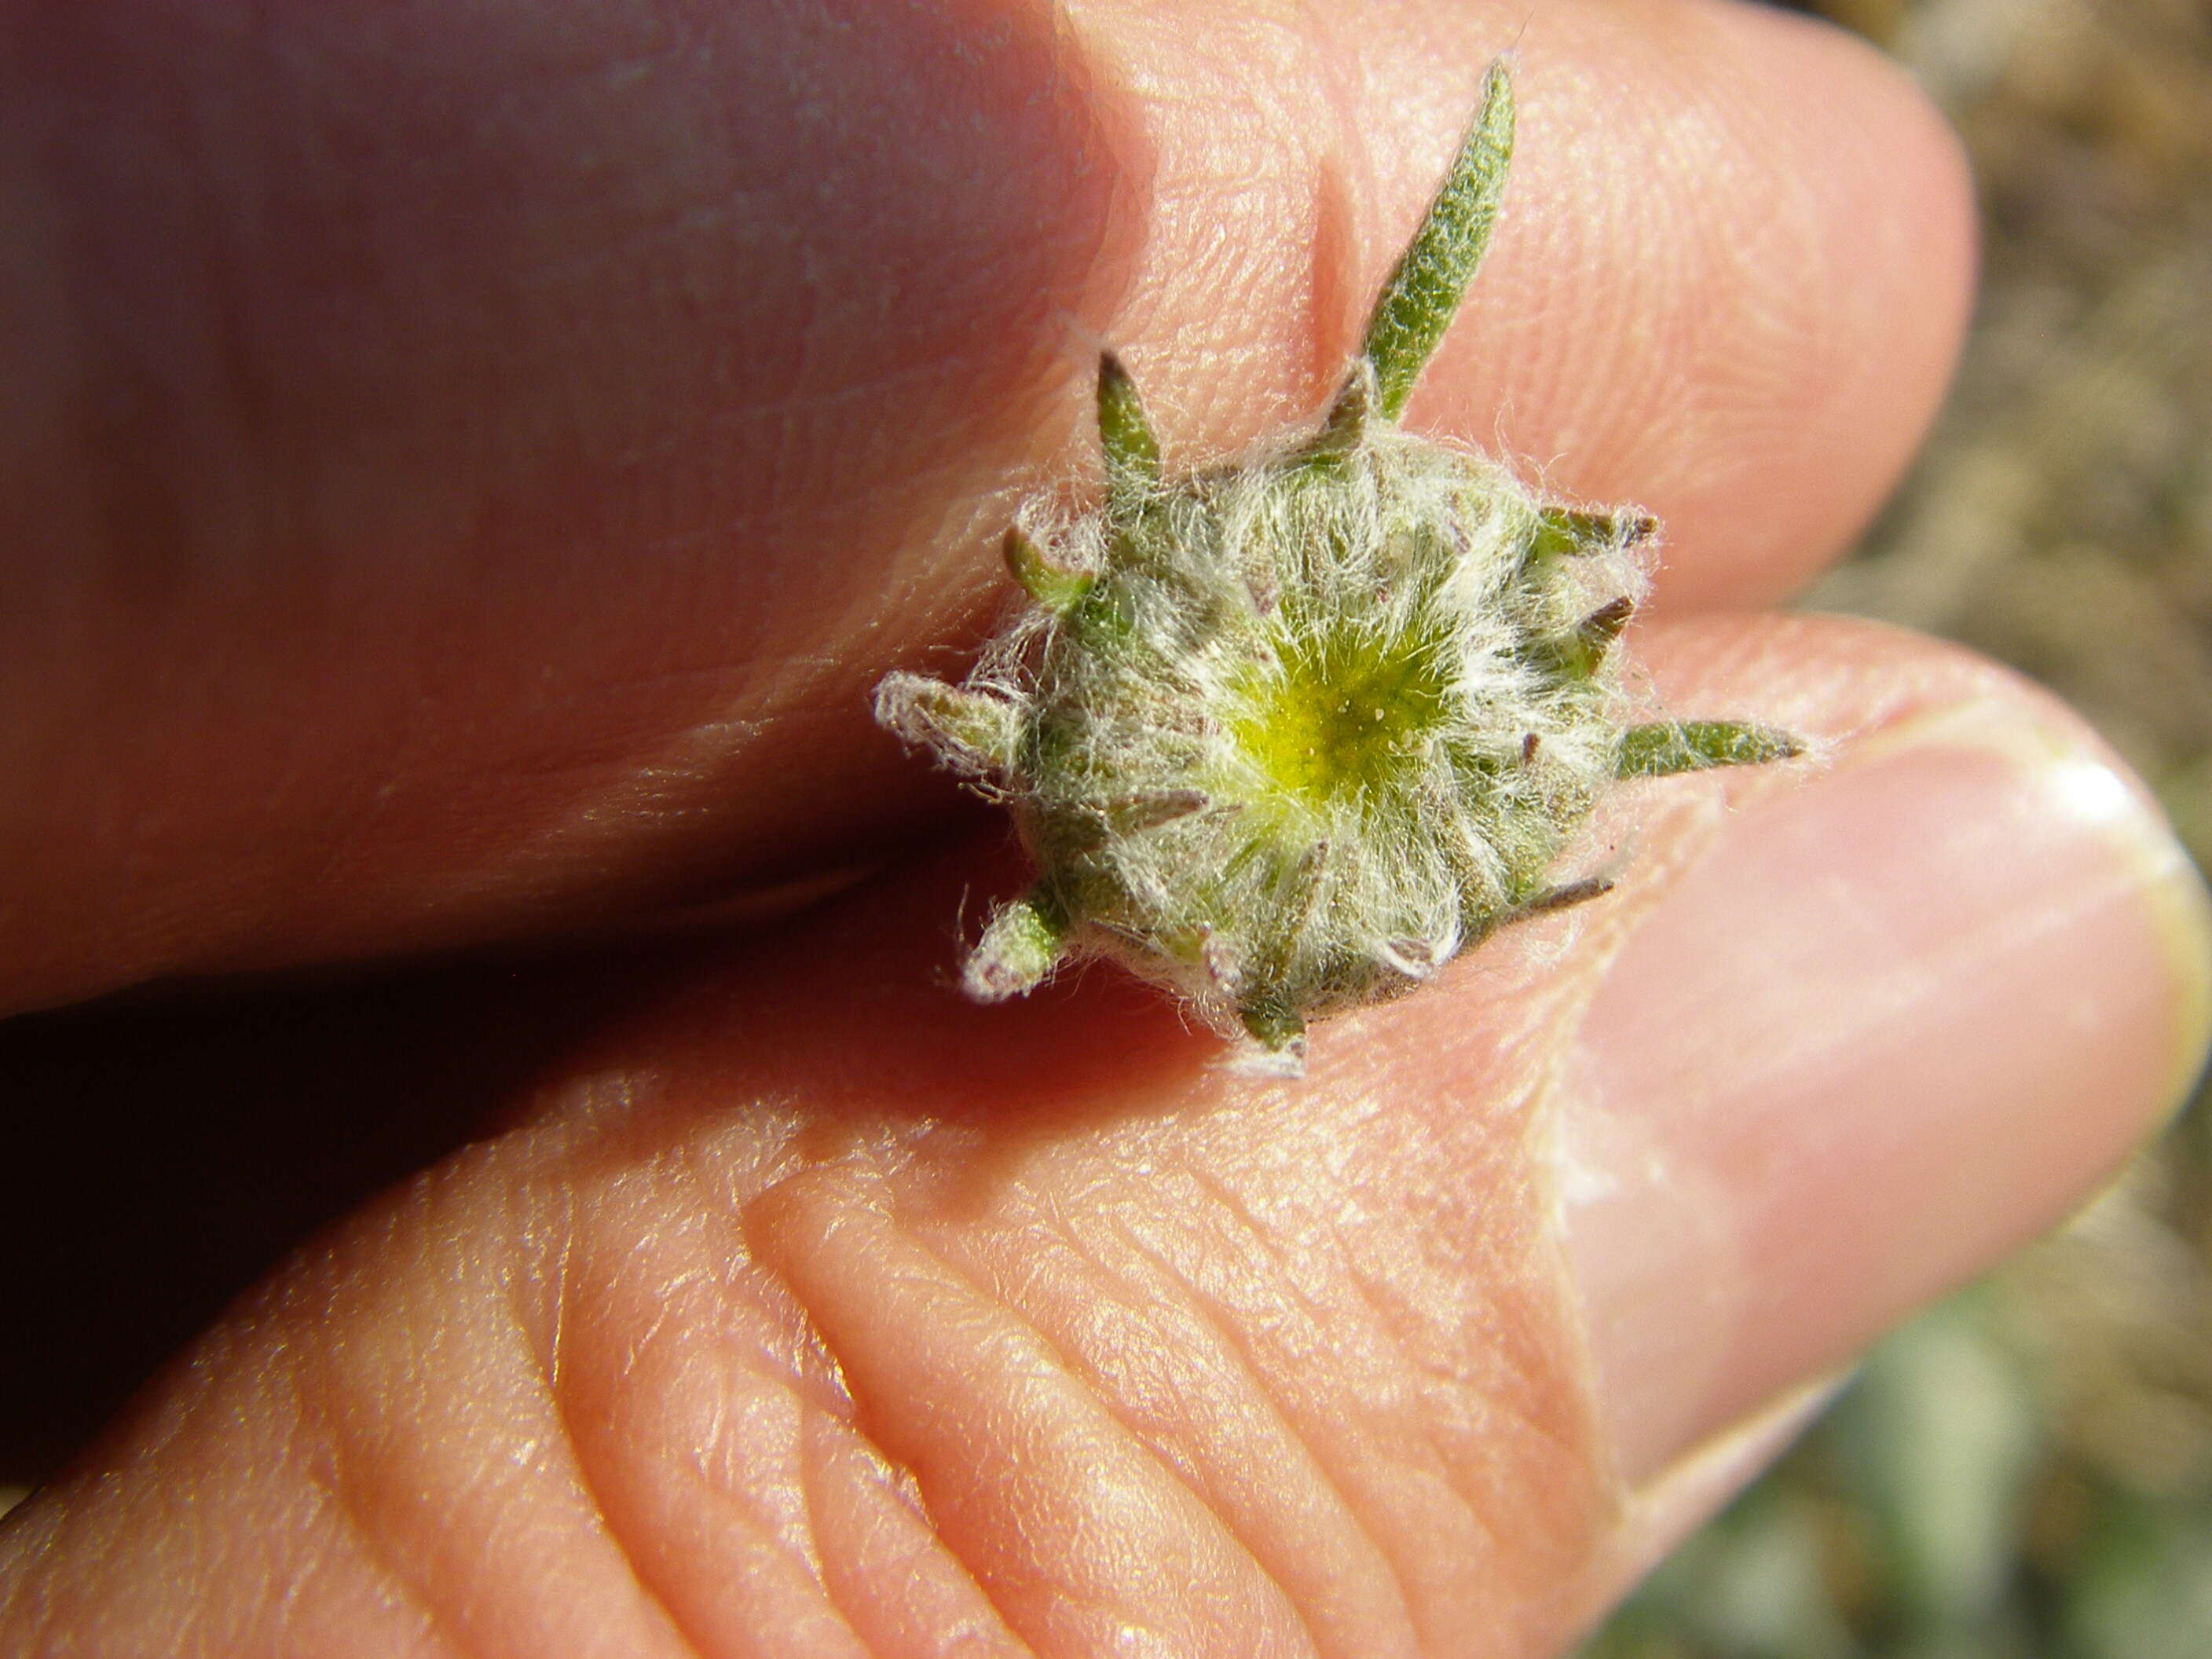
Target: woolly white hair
{"type": "Point", "coordinates": [1286, 736]}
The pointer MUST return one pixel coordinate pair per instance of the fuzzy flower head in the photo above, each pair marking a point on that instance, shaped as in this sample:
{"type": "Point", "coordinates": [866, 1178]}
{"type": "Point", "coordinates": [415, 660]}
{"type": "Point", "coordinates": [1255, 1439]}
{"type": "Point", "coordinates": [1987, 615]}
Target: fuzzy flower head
{"type": "Point", "coordinates": [1287, 736]}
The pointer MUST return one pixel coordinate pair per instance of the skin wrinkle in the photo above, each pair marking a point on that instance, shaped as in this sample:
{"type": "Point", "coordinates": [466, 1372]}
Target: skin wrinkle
{"type": "Point", "coordinates": [768, 1536]}
{"type": "Point", "coordinates": [772, 1634]}
{"type": "Point", "coordinates": [809, 1482]}
{"type": "Point", "coordinates": [848, 1209]}
{"type": "Point", "coordinates": [503, 1288]}
{"type": "Point", "coordinates": [386, 1569]}
{"type": "Point", "coordinates": [1172, 1450]}
{"type": "Point", "coordinates": [1437, 1457]}
{"type": "Point", "coordinates": [694, 1199]}
{"type": "Point", "coordinates": [1560, 1356]}
{"type": "Point", "coordinates": [995, 1592]}
{"type": "Point", "coordinates": [821, 1386]}
{"type": "Point", "coordinates": [1465, 1495]}
{"type": "Point", "coordinates": [771, 1412]}
{"type": "Point", "coordinates": [407, 1580]}
{"type": "Point", "coordinates": [1213, 1319]}
{"type": "Point", "coordinates": [558, 1294]}
{"type": "Point", "coordinates": [323, 1466]}
{"type": "Point", "coordinates": [320, 1509]}
{"type": "Point", "coordinates": [588, 1487]}
{"type": "Point", "coordinates": [916, 1544]}
{"type": "Point", "coordinates": [1451, 1477]}
{"type": "Point", "coordinates": [1212, 1187]}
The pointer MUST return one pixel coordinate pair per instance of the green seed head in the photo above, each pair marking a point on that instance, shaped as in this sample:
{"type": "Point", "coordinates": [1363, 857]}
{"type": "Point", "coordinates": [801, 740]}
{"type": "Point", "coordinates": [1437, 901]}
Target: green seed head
{"type": "Point", "coordinates": [1287, 736]}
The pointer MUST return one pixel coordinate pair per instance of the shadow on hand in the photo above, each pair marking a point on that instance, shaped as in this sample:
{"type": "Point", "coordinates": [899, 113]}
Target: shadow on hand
{"type": "Point", "coordinates": [186, 1138]}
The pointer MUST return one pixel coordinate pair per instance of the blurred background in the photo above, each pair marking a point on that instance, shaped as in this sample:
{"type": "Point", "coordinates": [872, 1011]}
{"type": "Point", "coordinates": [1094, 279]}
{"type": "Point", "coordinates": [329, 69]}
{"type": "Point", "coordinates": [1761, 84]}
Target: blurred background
{"type": "Point", "coordinates": [2028, 1470]}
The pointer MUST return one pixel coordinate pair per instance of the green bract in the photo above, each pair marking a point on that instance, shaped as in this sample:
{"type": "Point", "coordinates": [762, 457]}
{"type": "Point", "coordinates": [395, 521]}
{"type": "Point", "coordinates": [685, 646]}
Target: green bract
{"type": "Point", "coordinates": [1287, 736]}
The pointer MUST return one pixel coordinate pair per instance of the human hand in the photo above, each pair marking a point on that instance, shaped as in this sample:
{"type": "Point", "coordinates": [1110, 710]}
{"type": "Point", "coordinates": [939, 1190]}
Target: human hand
{"type": "Point", "coordinates": [457, 521]}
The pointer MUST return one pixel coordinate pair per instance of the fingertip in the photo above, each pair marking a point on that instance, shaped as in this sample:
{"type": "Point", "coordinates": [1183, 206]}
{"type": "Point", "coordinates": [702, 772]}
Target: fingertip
{"type": "Point", "coordinates": [1728, 282]}
{"type": "Point", "coordinates": [1830, 382]}
{"type": "Point", "coordinates": [1736, 290]}
{"type": "Point", "coordinates": [1882, 1025]}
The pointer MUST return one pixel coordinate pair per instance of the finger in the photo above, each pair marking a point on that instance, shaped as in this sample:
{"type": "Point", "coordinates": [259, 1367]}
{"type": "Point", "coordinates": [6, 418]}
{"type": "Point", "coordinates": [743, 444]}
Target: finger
{"type": "Point", "coordinates": [1728, 281]}
{"type": "Point", "coordinates": [443, 443]}
{"type": "Point", "coordinates": [474, 465]}
{"type": "Point", "coordinates": [1800, 1105]}
{"type": "Point", "coordinates": [817, 1312]}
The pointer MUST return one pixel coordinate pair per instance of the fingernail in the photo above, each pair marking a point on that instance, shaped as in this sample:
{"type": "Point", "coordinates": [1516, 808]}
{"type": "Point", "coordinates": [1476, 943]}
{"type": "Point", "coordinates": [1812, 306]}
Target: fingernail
{"type": "Point", "coordinates": [1893, 1024]}
{"type": "Point", "coordinates": [1658, 1515]}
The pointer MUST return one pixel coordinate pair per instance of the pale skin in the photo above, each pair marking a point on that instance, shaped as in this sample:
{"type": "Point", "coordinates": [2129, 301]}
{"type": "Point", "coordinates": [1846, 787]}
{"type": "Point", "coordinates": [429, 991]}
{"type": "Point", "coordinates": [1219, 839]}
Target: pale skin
{"type": "Point", "coordinates": [441, 516]}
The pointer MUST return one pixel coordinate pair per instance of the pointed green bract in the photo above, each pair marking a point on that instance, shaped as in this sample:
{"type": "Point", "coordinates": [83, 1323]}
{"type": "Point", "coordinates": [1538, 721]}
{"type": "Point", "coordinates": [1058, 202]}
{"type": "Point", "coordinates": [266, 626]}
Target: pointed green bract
{"type": "Point", "coordinates": [1055, 587]}
{"type": "Point", "coordinates": [1578, 655]}
{"type": "Point", "coordinates": [1135, 814]}
{"type": "Point", "coordinates": [1418, 301]}
{"type": "Point", "coordinates": [1345, 427]}
{"type": "Point", "coordinates": [977, 730]}
{"type": "Point", "coordinates": [1276, 1028]}
{"type": "Point", "coordinates": [1564, 896]}
{"type": "Point", "coordinates": [1019, 951]}
{"type": "Point", "coordinates": [1133, 454]}
{"type": "Point", "coordinates": [1565, 531]}
{"type": "Point", "coordinates": [1661, 750]}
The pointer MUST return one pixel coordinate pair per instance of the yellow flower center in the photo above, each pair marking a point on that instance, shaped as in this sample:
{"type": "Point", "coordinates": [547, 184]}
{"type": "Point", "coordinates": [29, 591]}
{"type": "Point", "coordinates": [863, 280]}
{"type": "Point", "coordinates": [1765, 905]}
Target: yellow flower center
{"type": "Point", "coordinates": [1342, 715]}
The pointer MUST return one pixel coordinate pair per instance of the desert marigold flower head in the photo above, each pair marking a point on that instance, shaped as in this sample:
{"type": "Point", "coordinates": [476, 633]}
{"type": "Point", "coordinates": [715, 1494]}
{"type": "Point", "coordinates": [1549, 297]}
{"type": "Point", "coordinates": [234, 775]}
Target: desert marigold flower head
{"type": "Point", "coordinates": [1287, 736]}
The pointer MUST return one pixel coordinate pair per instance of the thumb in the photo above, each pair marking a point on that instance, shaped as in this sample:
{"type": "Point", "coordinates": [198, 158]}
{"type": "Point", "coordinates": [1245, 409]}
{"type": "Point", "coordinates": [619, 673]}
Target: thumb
{"type": "Point", "coordinates": [814, 1312]}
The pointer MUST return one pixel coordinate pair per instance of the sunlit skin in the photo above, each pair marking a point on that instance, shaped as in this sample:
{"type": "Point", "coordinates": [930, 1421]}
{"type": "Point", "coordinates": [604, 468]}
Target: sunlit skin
{"type": "Point", "coordinates": [466, 468]}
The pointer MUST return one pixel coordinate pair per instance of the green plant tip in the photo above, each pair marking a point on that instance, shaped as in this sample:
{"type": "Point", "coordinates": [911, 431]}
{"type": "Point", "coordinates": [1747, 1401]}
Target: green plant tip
{"type": "Point", "coordinates": [1671, 746]}
{"type": "Point", "coordinates": [1424, 291]}
{"type": "Point", "coordinates": [1285, 736]}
